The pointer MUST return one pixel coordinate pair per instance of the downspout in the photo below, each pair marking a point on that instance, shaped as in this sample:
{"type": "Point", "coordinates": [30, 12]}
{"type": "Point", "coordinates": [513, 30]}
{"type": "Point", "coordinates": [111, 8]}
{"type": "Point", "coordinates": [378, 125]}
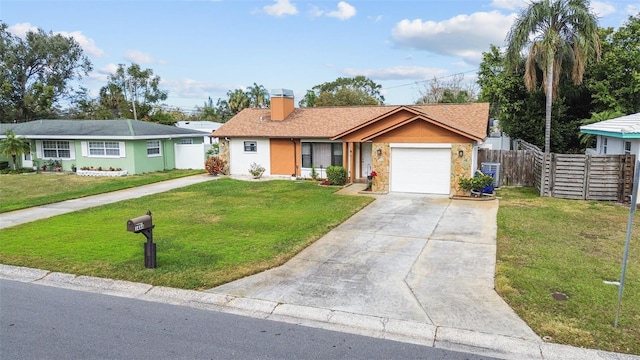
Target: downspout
{"type": "Point", "coordinates": [295, 170]}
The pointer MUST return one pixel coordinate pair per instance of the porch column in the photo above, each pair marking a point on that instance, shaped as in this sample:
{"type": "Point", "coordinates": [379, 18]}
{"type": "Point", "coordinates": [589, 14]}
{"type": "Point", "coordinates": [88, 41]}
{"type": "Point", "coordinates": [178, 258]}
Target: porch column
{"type": "Point", "coordinates": [352, 165]}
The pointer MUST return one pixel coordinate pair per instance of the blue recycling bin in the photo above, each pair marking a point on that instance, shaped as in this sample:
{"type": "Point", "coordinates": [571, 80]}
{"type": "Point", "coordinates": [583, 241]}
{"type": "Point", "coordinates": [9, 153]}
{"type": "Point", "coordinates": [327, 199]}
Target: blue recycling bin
{"type": "Point", "coordinates": [489, 189]}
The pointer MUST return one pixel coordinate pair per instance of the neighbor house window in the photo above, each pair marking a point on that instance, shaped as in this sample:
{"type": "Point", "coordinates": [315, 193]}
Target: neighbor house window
{"type": "Point", "coordinates": [186, 141]}
{"type": "Point", "coordinates": [153, 148]}
{"type": "Point", "coordinates": [627, 147]}
{"type": "Point", "coordinates": [604, 145]}
{"type": "Point", "coordinates": [56, 149]}
{"type": "Point", "coordinates": [104, 148]}
{"type": "Point", "coordinates": [250, 146]}
{"type": "Point", "coordinates": [321, 154]}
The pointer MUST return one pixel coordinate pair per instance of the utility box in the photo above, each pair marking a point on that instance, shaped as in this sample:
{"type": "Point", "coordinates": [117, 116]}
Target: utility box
{"type": "Point", "coordinates": [494, 169]}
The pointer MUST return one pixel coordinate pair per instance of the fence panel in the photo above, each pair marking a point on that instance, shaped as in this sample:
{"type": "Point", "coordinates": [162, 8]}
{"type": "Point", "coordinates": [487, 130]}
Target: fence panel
{"type": "Point", "coordinates": [567, 176]}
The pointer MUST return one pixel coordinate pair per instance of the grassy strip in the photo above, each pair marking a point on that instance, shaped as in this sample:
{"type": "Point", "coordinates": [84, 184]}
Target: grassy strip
{"type": "Point", "coordinates": [31, 189]}
{"type": "Point", "coordinates": [206, 234]}
{"type": "Point", "coordinates": [548, 245]}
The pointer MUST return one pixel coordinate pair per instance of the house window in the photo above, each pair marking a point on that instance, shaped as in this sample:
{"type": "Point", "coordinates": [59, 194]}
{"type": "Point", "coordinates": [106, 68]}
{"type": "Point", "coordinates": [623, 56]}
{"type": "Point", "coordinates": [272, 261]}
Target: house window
{"type": "Point", "coordinates": [56, 149]}
{"type": "Point", "coordinates": [604, 145]}
{"type": "Point", "coordinates": [321, 154]}
{"type": "Point", "coordinates": [627, 147]}
{"type": "Point", "coordinates": [336, 151]}
{"type": "Point", "coordinates": [306, 155]}
{"type": "Point", "coordinates": [250, 146]}
{"type": "Point", "coordinates": [186, 141]}
{"type": "Point", "coordinates": [104, 148]}
{"type": "Point", "coordinates": [153, 148]}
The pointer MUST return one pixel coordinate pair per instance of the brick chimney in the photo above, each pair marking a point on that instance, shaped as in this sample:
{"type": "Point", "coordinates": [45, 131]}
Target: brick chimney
{"type": "Point", "coordinates": [281, 104]}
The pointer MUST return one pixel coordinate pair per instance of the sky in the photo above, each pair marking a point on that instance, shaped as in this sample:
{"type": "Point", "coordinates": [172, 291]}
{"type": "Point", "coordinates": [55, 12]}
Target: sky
{"type": "Point", "coordinates": [203, 49]}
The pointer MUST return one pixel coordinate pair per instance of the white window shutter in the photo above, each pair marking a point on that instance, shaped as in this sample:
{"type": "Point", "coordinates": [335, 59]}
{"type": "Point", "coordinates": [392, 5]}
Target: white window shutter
{"type": "Point", "coordinates": [72, 150]}
{"type": "Point", "coordinates": [39, 152]}
{"type": "Point", "coordinates": [123, 152]}
{"type": "Point", "coordinates": [85, 148]}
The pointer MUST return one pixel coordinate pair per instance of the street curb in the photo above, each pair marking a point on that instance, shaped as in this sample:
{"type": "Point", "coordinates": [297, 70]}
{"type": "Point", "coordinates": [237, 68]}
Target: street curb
{"type": "Point", "coordinates": [379, 327]}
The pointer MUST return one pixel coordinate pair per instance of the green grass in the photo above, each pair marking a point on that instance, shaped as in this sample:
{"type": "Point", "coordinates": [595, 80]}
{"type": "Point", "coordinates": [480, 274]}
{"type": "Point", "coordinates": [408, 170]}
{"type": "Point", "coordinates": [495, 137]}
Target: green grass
{"type": "Point", "coordinates": [548, 245]}
{"type": "Point", "coordinates": [206, 234]}
{"type": "Point", "coordinates": [21, 191]}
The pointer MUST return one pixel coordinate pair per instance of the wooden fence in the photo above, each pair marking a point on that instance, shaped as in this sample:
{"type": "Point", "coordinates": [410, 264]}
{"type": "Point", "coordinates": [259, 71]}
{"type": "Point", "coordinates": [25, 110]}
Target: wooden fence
{"type": "Point", "coordinates": [516, 166]}
{"type": "Point", "coordinates": [566, 176]}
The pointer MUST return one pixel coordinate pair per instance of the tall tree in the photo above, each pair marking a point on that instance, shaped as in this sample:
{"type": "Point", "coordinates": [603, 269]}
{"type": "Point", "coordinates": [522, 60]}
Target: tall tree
{"type": "Point", "coordinates": [258, 96]}
{"type": "Point", "coordinates": [555, 31]}
{"type": "Point", "coordinates": [13, 146]}
{"type": "Point", "coordinates": [358, 90]}
{"type": "Point", "coordinates": [36, 73]}
{"type": "Point", "coordinates": [132, 84]}
{"type": "Point", "coordinates": [309, 100]}
{"type": "Point", "coordinates": [615, 81]}
{"type": "Point", "coordinates": [452, 91]}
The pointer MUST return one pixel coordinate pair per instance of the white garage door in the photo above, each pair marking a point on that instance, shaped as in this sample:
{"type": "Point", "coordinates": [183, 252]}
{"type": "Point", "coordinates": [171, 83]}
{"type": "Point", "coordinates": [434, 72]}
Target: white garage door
{"type": "Point", "coordinates": [420, 170]}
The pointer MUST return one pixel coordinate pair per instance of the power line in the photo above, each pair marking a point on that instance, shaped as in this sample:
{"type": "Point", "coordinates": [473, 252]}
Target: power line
{"type": "Point", "coordinates": [427, 80]}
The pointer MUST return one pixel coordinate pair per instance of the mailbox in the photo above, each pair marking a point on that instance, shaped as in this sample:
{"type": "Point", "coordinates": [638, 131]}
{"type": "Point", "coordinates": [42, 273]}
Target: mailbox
{"type": "Point", "coordinates": [140, 223]}
{"type": "Point", "coordinates": [143, 224]}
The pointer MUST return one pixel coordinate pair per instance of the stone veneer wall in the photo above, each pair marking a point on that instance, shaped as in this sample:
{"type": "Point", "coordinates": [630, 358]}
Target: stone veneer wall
{"type": "Point", "coordinates": [381, 167]}
{"type": "Point", "coordinates": [460, 166]}
{"type": "Point", "coordinates": [224, 154]}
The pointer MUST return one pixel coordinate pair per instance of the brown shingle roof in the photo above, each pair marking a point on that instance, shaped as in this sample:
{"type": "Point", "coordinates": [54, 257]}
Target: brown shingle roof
{"type": "Point", "coordinates": [327, 122]}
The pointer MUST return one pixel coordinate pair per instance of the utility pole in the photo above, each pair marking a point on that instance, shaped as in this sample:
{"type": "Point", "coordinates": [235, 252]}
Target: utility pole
{"type": "Point", "coordinates": [133, 101]}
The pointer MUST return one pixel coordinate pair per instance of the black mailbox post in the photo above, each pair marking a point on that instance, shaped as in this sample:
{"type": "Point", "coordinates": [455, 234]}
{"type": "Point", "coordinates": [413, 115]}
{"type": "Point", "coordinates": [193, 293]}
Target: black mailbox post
{"type": "Point", "coordinates": [144, 224]}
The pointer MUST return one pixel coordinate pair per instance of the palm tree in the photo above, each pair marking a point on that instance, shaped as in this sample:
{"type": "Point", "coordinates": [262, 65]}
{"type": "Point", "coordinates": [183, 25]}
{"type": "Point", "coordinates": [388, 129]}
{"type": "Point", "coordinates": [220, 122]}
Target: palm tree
{"type": "Point", "coordinates": [238, 100]}
{"type": "Point", "coordinates": [555, 31]}
{"type": "Point", "coordinates": [13, 146]}
{"type": "Point", "coordinates": [258, 96]}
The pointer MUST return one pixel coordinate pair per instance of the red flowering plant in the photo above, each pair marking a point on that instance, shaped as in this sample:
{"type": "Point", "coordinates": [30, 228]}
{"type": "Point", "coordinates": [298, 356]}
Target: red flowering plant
{"type": "Point", "coordinates": [374, 174]}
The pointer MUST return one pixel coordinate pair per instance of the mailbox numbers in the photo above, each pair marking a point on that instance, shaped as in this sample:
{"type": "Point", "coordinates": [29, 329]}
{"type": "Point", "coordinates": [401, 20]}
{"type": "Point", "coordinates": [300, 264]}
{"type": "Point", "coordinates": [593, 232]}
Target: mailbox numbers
{"type": "Point", "coordinates": [139, 226]}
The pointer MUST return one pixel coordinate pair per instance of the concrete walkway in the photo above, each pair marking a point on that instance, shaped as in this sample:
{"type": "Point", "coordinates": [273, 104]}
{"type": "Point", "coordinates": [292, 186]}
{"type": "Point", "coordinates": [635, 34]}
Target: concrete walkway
{"type": "Point", "coordinates": [45, 211]}
{"type": "Point", "coordinates": [408, 267]}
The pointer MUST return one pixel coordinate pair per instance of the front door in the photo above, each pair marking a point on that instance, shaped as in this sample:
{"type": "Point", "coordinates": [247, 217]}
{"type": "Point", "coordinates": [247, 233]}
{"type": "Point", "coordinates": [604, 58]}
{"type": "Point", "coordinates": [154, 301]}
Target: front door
{"type": "Point", "coordinates": [27, 160]}
{"type": "Point", "coordinates": [366, 164]}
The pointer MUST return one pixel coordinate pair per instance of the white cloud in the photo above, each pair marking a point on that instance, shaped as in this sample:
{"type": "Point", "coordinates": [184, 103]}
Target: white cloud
{"type": "Point", "coordinates": [21, 29]}
{"type": "Point", "coordinates": [465, 36]}
{"type": "Point", "coordinates": [375, 19]}
{"type": "Point", "coordinates": [280, 8]}
{"type": "Point", "coordinates": [138, 57]}
{"type": "Point", "coordinates": [194, 89]}
{"type": "Point", "coordinates": [510, 4]}
{"type": "Point", "coordinates": [396, 73]}
{"type": "Point", "coordinates": [86, 44]}
{"type": "Point", "coordinates": [315, 11]}
{"type": "Point", "coordinates": [602, 9]}
{"type": "Point", "coordinates": [632, 9]}
{"type": "Point", "coordinates": [344, 12]}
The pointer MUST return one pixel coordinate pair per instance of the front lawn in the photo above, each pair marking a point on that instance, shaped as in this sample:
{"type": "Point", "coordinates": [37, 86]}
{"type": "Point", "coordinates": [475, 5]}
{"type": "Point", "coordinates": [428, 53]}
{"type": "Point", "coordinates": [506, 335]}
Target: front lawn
{"type": "Point", "coordinates": [206, 234]}
{"type": "Point", "coordinates": [20, 191]}
{"type": "Point", "coordinates": [569, 247]}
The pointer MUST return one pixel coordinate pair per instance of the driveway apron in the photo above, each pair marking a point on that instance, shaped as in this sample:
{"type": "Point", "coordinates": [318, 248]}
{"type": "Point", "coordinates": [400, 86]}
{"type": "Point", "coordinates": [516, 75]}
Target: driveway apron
{"type": "Point", "coordinates": [409, 257]}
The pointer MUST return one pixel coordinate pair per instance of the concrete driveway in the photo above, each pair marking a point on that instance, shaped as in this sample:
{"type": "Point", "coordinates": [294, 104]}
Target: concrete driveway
{"type": "Point", "coordinates": [411, 257]}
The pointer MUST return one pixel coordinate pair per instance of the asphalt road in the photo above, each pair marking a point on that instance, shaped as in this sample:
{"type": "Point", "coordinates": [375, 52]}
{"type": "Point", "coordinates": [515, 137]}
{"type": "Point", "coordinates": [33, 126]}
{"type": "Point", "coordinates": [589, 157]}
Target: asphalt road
{"type": "Point", "coordinates": [42, 322]}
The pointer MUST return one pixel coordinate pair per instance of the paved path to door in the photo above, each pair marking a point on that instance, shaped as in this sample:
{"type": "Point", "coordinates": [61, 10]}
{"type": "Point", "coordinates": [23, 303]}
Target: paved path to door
{"type": "Point", "coordinates": [410, 257]}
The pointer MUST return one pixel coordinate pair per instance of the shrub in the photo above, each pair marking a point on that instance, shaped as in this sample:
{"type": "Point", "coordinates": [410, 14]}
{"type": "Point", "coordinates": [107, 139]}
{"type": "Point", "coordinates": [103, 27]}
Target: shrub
{"type": "Point", "coordinates": [256, 170]}
{"type": "Point", "coordinates": [336, 175]}
{"type": "Point", "coordinates": [477, 183]}
{"type": "Point", "coordinates": [215, 165]}
{"type": "Point", "coordinates": [314, 173]}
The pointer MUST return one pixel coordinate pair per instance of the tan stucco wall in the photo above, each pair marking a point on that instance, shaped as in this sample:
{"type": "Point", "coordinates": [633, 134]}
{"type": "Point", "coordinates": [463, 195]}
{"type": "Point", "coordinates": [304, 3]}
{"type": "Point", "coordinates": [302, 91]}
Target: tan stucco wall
{"type": "Point", "coordinates": [284, 155]}
{"type": "Point", "coordinates": [381, 167]}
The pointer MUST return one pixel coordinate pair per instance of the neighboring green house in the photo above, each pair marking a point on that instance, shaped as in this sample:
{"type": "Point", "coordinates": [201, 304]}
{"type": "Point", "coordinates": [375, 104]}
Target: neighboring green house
{"type": "Point", "coordinates": [130, 145]}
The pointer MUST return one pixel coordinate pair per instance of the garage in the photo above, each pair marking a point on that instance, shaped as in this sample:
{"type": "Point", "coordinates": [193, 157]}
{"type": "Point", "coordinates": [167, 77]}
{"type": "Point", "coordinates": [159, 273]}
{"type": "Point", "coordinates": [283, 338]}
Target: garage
{"type": "Point", "coordinates": [421, 170]}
